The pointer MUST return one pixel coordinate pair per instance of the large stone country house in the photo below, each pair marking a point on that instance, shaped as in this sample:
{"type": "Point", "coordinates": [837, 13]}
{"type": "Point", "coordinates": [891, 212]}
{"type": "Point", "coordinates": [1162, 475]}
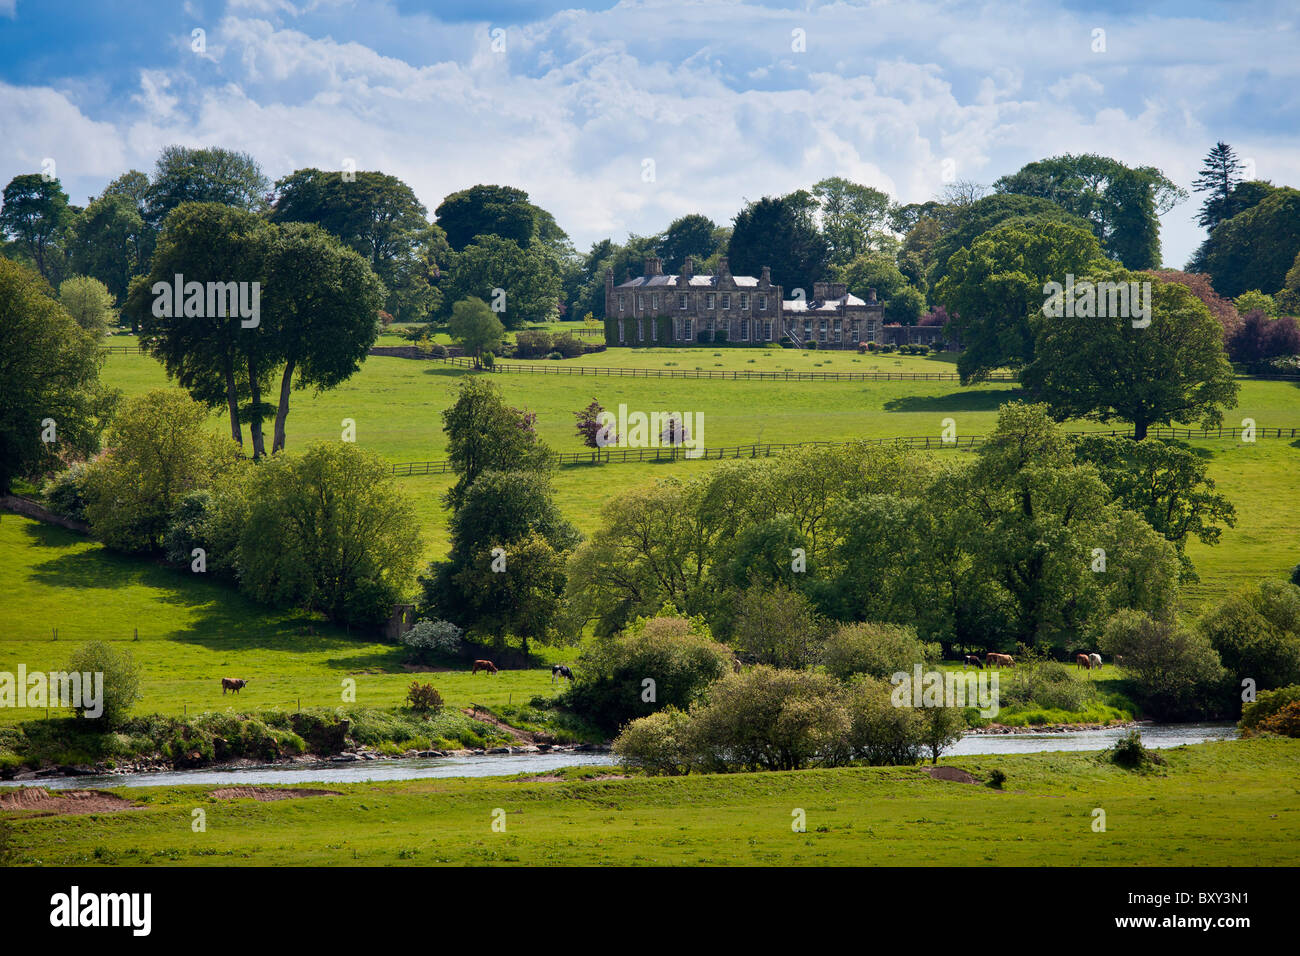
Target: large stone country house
{"type": "Point", "coordinates": [654, 309]}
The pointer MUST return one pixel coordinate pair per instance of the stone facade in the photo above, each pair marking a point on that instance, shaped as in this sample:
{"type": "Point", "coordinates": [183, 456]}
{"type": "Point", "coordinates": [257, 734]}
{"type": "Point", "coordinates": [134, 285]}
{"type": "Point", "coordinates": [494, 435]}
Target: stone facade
{"type": "Point", "coordinates": [687, 309]}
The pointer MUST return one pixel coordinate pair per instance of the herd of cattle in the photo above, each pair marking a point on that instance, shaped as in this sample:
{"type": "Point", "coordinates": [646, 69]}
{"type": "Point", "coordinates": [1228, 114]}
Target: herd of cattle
{"type": "Point", "coordinates": [1087, 662]}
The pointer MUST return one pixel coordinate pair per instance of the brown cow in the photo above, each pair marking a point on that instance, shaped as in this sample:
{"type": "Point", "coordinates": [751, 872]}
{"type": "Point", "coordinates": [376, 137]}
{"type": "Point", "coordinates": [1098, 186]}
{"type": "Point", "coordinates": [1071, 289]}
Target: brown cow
{"type": "Point", "coordinates": [1083, 660]}
{"type": "Point", "coordinates": [993, 659]}
{"type": "Point", "coordinates": [232, 684]}
{"type": "Point", "coordinates": [484, 666]}
{"type": "Point", "coordinates": [735, 665]}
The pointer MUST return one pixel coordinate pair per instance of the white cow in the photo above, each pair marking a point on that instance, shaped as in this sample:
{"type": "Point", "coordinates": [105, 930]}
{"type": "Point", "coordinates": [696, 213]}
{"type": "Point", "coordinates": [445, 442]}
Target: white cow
{"type": "Point", "coordinates": [1095, 660]}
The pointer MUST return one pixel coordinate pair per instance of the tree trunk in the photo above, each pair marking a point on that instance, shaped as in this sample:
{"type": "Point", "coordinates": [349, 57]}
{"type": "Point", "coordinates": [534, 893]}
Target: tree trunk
{"type": "Point", "coordinates": [1139, 430]}
{"type": "Point", "coordinates": [282, 411]}
{"type": "Point", "coordinates": [255, 423]}
{"type": "Point", "coordinates": [232, 403]}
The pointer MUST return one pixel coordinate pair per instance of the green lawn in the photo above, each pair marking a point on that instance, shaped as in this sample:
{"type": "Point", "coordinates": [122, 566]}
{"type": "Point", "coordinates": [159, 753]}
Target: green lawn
{"type": "Point", "coordinates": [193, 632]}
{"type": "Point", "coordinates": [1220, 804]}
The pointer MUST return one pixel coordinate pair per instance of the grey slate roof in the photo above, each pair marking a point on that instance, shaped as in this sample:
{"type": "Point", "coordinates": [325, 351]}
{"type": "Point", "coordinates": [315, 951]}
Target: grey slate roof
{"type": "Point", "coordinates": [659, 282]}
{"type": "Point", "coordinates": [827, 305]}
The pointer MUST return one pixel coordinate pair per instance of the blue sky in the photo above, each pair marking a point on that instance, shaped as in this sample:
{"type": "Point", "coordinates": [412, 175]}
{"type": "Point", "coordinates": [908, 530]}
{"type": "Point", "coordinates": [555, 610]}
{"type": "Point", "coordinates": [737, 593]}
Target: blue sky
{"type": "Point", "coordinates": [717, 95]}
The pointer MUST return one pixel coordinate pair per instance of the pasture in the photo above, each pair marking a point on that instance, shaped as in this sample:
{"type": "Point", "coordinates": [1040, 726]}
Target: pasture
{"type": "Point", "coordinates": [397, 405]}
{"type": "Point", "coordinates": [1214, 804]}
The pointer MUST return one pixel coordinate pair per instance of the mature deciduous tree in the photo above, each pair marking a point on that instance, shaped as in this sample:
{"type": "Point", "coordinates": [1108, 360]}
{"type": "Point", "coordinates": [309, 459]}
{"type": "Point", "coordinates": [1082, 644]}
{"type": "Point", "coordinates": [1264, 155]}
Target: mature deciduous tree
{"type": "Point", "coordinates": [1101, 366]}
{"type": "Point", "coordinates": [35, 217]}
{"type": "Point", "coordinates": [780, 232]}
{"type": "Point", "coordinates": [49, 369]}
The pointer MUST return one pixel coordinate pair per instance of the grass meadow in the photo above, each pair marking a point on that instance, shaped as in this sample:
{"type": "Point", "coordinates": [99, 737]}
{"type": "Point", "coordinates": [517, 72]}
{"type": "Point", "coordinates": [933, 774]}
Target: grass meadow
{"type": "Point", "coordinates": [1216, 804]}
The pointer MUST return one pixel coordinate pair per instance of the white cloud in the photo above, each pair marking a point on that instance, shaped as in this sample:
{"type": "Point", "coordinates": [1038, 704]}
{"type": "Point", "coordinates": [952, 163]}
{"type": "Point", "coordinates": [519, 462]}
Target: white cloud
{"type": "Point", "coordinates": [713, 93]}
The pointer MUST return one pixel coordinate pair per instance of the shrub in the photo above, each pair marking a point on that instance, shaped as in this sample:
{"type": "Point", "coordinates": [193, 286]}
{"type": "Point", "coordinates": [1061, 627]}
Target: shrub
{"type": "Point", "coordinates": [531, 343]}
{"type": "Point", "coordinates": [489, 360]}
{"type": "Point", "coordinates": [864, 347]}
{"type": "Point", "coordinates": [554, 356]}
{"type": "Point", "coordinates": [1284, 723]}
{"type": "Point", "coordinates": [1257, 633]}
{"type": "Point", "coordinates": [65, 493]}
{"type": "Point", "coordinates": [659, 744]}
{"type": "Point", "coordinates": [567, 344]}
{"type": "Point", "coordinates": [996, 779]}
{"type": "Point", "coordinates": [1129, 753]}
{"type": "Point", "coordinates": [876, 649]}
{"type": "Point", "coordinates": [428, 639]}
{"type": "Point", "coordinates": [1267, 705]}
{"type": "Point", "coordinates": [1047, 684]}
{"type": "Point", "coordinates": [423, 698]}
{"type": "Point", "coordinates": [769, 719]}
{"type": "Point", "coordinates": [121, 687]}
{"type": "Point", "coordinates": [186, 528]}
{"type": "Point", "coordinates": [438, 350]}
{"type": "Point", "coordinates": [677, 654]}
{"type": "Point", "coordinates": [1175, 671]}
{"type": "Point", "coordinates": [880, 733]}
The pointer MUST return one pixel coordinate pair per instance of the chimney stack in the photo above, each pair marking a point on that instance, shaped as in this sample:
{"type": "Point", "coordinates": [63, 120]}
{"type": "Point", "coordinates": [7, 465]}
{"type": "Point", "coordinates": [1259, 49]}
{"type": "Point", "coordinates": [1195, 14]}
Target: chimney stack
{"type": "Point", "coordinates": [724, 268]}
{"type": "Point", "coordinates": [688, 267]}
{"type": "Point", "coordinates": [654, 266]}
{"type": "Point", "coordinates": [766, 278]}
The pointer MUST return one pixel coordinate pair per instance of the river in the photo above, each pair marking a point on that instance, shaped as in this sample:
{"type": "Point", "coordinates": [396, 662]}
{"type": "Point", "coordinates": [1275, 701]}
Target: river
{"type": "Point", "coordinates": [503, 765]}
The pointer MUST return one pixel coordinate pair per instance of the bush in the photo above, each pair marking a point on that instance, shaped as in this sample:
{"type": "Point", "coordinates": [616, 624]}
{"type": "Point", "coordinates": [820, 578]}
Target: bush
{"type": "Point", "coordinates": [1129, 753]}
{"type": "Point", "coordinates": [659, 744]}
{"type": "Point", "coordinates": [554, 356]}
{"type": "Point", "coordinates": [876, 649]}
{"type": "Point", "coordinates": [567, 344]}
{"type": "Point", "coordinates": [186, 528]}
{"type": "Point", "coordinates": [1049, 685]}
{"type": "Point", "coordinates": [1285, 723]}
{"type": "Point", "coordinates": [423, 698]}
{"type": "Point", "coordinates": [489, 360]}
{"type": "Point", "coordinates": [65, 493]}
{"type": "Point", "coordinates": [880, 733]}
{"type": "Point", "coordinates": [428, 639]}
{"type": "Point", "coordinates": [864, 347]}
{"type": "Point", "coordinates": [438, 350]}
{"type": "Point", "coordinates": [996, 779]}
{"type": "Point", "coordinates": [121, 677]}
{"type": "Point", "coordinates": [1176, 673]}
{"type": "Point", "coordinates": [1257, 634]}
{"type": "Point", "coordinates": [531, 343]}
{"type": "Point", "coordinates": [769, 719]}
{"type": "Point", "coordinates": [677, 654]}
{"type": "Point", "coordinates": [776, 627]}
{"type": "Point", "coordinates": [1269, 703]}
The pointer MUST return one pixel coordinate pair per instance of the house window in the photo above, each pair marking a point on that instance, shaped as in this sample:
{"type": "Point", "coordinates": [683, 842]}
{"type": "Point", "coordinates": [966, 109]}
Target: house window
{"type": "Point", "coordinates": [762, 303]}
{"type": "Point", "coordinates": [654, 330]}
{"type": "Point", "coordinates": [682, 302]}
{"type": "Point", "coordinates": [654, 302]}
{"type": "Point", "coordinates": [767, 331]}
{"type": "Point", "coordinates": [744, 302]}
{"type": "Point", "coordinates": [821, 330]}
{"type": "Point", "coordinates": [620, 303]}
{"type": "Point", "coordinates": [710, 301]}
{"type": "Point", "coordinates": [620, 331]}
{"type": "Point", "coordinates": [855, 333]}
{"type": "Point", "coordinates": [640, 330]}
{"type": "Point", "coordinates": [726, 300]}
{"type": "Point", "coordinates": [744, 330]}
{"type": "Point", "coordinates": [640, 303]}
{"type": "Point", "coordinates": [688, 329]}
{"type": "Point", "coordinates": [837, 330]}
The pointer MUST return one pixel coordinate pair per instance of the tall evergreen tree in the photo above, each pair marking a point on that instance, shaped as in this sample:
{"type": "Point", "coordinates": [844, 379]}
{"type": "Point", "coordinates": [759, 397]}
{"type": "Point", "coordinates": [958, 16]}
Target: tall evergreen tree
{"type": "Point", "coordinates": [1220, 173]}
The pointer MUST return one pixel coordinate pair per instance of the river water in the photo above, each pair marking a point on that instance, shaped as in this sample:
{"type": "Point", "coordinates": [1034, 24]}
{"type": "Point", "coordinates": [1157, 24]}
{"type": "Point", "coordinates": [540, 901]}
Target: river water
{"type": "Point", "coordinates": [503, 765]}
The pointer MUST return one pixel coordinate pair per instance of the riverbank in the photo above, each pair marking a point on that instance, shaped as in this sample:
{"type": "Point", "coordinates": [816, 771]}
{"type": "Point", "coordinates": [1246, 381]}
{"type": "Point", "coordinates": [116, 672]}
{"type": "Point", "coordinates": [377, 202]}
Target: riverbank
{"type": "Point", "coordinates": [1223, 804]}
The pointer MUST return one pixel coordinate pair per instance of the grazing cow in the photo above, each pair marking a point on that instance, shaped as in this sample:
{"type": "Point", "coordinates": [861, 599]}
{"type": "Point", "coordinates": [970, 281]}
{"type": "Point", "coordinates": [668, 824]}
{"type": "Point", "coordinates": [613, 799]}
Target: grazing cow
{"type": "Point", "coordinates": [972, 660]}
{"type": "Point", "coordinates": [994, 659]}
{"type": "Point", "coordinates": [561, 670]}
{"type": "Point", "coordinates": [735, 665]}
{"type": "Point", "coordinates": [1083, 660]}
{"type": "Point", "coordinates": [484, 666]}
{"type": "Point", "coordinates": [232, 684]}
{"type": "Point", "coordinates": [1095, 660]}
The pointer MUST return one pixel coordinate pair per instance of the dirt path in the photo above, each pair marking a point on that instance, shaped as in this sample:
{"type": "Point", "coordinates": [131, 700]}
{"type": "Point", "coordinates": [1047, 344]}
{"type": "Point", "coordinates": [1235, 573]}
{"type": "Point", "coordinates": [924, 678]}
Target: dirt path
{"type": "Point", "coordinates": [519, 736]}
